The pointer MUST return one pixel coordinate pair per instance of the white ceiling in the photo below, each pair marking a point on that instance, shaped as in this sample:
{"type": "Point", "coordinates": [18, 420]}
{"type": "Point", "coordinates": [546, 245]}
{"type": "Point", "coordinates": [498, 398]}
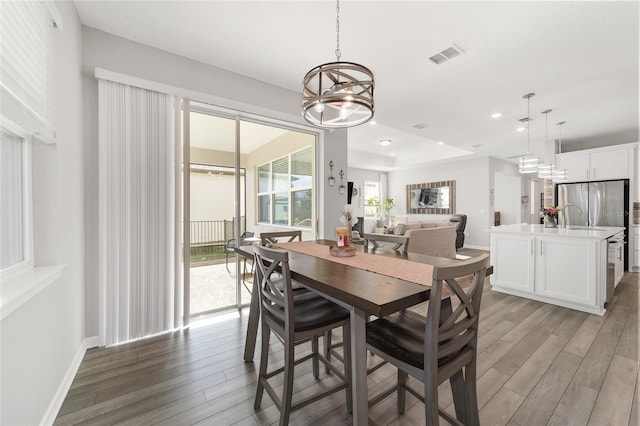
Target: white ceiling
{"type": "Point", "coordinates": [580, 58]}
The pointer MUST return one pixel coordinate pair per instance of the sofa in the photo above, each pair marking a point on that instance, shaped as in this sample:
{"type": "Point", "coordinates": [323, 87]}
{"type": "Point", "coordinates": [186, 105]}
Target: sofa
{"type": "Point", "coordinates": [400, 225]}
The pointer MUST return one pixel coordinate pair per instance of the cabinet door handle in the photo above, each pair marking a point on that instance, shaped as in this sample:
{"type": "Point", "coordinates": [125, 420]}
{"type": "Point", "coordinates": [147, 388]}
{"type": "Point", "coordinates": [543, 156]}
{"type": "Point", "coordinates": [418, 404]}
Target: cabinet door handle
{"type": "Point", "coordinates": [588, 173]}
{"type": "Point", "coordinates": [619, 253]}
{"type": "Point", "coordinates": [594, 173]}
{"type": "Point", "coordinates": [532, 248]}
{"type": "Point", "coordinates": [541, 253]}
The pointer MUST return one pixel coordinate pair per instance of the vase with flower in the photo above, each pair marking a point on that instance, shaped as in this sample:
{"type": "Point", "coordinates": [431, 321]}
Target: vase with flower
{"type": "Point", "coordinates": [550, 215]}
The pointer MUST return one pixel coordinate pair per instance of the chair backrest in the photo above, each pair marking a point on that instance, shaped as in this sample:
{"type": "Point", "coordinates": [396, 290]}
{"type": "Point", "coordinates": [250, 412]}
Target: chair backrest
{"type": "Point", "coordinates": [455, 329]}
{"type": "Point", "coordinates": [274, 279]}
{"type": "Point", "coordinates": [460, 222]}
{"type": "Point", "coordinates": [274, 237]}
{"type": "Point", "coordinates": [439, 242]}
{"type": "Point", "coordinates": [233, 242]}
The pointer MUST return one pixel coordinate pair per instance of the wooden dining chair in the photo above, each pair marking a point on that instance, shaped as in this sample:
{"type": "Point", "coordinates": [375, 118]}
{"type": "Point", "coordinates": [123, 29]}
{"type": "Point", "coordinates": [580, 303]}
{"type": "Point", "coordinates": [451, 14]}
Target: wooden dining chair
{"type": "Point", "coordinates": [439, 347]}
{"type": "Point", "coordinates": [269, 238]}
{"type": "Point", "coordinates": [296, 319]}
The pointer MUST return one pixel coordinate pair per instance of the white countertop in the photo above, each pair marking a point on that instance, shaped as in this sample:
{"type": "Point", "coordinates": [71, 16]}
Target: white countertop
{"type": "Point", "coordinates": [596, 232]}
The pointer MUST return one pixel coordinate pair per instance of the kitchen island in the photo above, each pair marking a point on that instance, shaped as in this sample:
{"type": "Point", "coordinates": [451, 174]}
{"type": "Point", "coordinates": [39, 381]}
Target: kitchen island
{"type": "Point", "coordinates": [561, 266]}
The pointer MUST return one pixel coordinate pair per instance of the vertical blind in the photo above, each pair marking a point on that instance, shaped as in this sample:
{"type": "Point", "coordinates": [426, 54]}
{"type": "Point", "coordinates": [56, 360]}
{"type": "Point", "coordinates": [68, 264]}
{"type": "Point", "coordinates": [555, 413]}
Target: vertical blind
{"type": "Point", "coordinates": [137, 220]}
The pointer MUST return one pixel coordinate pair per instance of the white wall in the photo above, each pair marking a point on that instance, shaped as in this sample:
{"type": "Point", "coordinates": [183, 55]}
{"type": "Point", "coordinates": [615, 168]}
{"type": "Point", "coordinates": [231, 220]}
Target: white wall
{"type": "Point", "coordinates": [333, 147]}
{"type": "Point", "coordinates": [212, 197]}
{"type": "Point", "coordinates": [507, 201]}
{"type": "Point", "coordinates": [472, 193]}
{"type": "Point", "coordinates": [220, 87]}
{"type": "Point", "coordinates": [42, 341]}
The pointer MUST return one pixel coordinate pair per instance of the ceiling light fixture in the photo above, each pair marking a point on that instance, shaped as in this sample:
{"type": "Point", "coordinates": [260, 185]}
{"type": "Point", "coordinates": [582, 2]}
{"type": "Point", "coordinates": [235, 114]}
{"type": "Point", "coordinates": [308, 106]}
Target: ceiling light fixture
{"type": "Point", "coordinates": [559, 175]}
{"type": "Point", "coordinates": [528, 163]}
{"type": "Point", "coordinates": [545, 171]}
{"type": "Point", "coordinates": [338, 94]}
{"type": "Point", "coordinates": [385, 142]}
{"type": "Point", "coordinates": [496, 115]}
{"type": "Point", "coordinates": [520, 129]}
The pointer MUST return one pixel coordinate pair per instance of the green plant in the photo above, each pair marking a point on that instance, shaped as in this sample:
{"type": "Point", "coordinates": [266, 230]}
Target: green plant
{"type": "Point", "coordinates": [388, 204]}
{"type": "Point", "coordinates": [373, 201]}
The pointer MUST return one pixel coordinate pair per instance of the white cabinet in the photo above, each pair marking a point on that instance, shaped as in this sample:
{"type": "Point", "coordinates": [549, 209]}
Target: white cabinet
{"type": "Point", "coordinates": [515, 255]}
{"type": "Point", "coordinates": [558, 270]}
{"type": "Point", "coordinates": [634, 236]}
{"type": "Point", "coordinates": [599, 164]}
{"type": "Point", "coordinates": [577, 166]}
{"type": "Point", "coordinates": [566, 269]}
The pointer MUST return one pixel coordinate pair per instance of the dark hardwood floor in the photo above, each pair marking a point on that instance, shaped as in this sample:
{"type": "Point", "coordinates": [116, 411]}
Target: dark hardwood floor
{"type": "Point", "coordinates": [538, 364]}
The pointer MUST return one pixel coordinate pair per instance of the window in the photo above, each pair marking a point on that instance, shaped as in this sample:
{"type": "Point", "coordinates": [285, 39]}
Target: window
{"type": "Point", "coordinates": [371, 199]}
{"type": "Point", "coordinates": [285, 190]}
{"type": "Point", "coordinates": [14, 201]}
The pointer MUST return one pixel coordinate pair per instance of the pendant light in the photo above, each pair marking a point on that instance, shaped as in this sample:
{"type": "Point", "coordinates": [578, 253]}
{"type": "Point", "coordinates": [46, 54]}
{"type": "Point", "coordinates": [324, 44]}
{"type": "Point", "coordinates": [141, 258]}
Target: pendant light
{"type": "Point", "coordinates": [528, 163]}
{"type": "Point", "coordinates": [559, 175]}
{"type": "Point", "coordinates": [338, 94]}
{"type": "Point", "coordinates": [545, 170]}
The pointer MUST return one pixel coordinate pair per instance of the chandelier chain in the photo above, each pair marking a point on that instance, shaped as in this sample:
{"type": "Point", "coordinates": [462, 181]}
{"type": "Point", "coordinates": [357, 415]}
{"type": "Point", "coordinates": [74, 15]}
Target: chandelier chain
{"type": "Point", "coordinates": [338, 53]}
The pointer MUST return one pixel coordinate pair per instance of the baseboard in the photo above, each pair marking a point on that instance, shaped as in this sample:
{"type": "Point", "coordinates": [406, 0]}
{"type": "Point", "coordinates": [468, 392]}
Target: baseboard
{"type": "Point", "coordinates": [54, 407]}
{"type": "Point", "coordinates": [91, 342]}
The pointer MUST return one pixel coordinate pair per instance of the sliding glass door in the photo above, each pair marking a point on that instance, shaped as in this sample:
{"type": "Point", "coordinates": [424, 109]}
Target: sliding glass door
{"type": "Point", "coordinates": [227, 194]}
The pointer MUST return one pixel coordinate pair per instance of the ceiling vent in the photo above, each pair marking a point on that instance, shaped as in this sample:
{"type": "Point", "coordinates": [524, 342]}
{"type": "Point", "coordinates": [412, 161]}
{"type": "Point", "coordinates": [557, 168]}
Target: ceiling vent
{"type": "Point", "coordinates": [448, 53]}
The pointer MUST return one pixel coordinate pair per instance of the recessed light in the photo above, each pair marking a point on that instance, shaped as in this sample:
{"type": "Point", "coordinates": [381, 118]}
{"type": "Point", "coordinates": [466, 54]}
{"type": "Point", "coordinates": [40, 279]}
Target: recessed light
{"type": "Point", "coordinates": [393, 154]}
{"type": "Point", "coordinates": [440, 143]}
{"type": "Point", "coordinates": [521, 129]}
{"type": "Point", "coordinates": [496, 115]}
{"type": "Point", "coordinates": [385, 142]}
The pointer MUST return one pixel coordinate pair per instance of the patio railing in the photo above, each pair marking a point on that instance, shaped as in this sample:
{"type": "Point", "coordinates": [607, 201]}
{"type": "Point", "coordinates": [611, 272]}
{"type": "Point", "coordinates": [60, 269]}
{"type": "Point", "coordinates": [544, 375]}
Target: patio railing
{"type": "Point", "coordinates": [213, 232]}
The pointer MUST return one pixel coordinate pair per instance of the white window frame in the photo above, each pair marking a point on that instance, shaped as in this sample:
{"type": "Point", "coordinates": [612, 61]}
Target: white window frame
{"type": "Point", "coordinates": [369, 207]}
{"type": "Point", "coordinates": [27, 202]}
{"type": "Point", "coordinates": [271, 192]}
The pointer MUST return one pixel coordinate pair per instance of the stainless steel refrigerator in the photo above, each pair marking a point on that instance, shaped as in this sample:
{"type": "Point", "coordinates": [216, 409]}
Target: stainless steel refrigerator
{"type": "Point", "coordinates": [603, 203]}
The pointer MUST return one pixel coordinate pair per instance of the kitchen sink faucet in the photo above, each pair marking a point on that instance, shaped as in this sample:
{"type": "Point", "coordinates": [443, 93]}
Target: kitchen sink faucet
{"type": "Point", "coordinates": [564, 214]}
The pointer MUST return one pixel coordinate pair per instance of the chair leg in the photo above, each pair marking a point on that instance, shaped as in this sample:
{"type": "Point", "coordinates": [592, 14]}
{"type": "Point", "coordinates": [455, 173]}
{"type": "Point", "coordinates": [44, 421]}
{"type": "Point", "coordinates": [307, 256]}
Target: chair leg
{"type": "Point", "coordinates": [346, 352]}
{"type": "Point", "coordinates": [262, 372]}
{"type": "Point", "coordinates": [316, 360]}
{"type": "Point", "coordinates": [458, 390]}
{"type": "Point", "coordinates": [287, 392]}
{"type": "Point", "coordinates": [226, 261]}
{"type": "Point", "coordinates": [327, 349]}
{"type": "Point", "coordinates": [402, 392]}
{"type": "Point", "coordinates": [431, 414]}
{"type": "Point", "coordinates": [471, 394]}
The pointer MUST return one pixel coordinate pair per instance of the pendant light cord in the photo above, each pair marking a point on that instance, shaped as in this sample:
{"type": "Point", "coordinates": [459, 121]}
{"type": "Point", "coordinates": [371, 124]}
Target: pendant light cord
{"type": "Point", "coordinates": [528, 124]}
{"type": "Point", "coordinates": [338, 53]}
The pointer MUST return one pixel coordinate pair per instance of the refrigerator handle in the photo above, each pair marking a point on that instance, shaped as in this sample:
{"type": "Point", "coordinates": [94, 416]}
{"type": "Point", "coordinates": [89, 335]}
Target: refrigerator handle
{"type": "Point", "coordinates": [588, 177]}
{"type": "Point", "coordinates": [594, 173]}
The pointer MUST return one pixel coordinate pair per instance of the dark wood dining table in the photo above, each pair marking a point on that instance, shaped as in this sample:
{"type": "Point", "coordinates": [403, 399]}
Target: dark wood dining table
{"type": "Point", "coordinates": [362, 292]}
